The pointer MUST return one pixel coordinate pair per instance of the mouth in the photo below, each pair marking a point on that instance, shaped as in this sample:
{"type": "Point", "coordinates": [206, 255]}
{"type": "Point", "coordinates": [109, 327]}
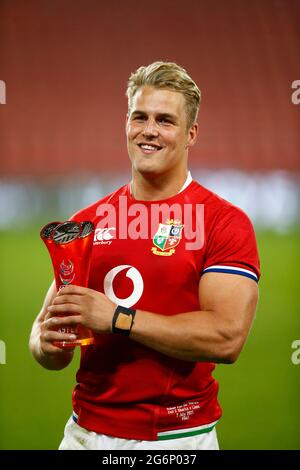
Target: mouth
{"type": "Point", "coordinates": [149, 148]}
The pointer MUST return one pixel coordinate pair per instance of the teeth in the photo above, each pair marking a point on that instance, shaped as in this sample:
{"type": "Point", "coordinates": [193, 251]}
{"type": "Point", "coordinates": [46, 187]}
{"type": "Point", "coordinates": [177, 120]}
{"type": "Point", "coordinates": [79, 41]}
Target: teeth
{"type": "Point", "coordinates": [149, 147]}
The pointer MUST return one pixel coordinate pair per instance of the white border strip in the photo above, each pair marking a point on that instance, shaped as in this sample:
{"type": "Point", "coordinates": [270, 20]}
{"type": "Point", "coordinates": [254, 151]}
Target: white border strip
{"type": "Point", "coordinates": [229, 269]}
{"type": "Point", "coordinates": [185, 430]}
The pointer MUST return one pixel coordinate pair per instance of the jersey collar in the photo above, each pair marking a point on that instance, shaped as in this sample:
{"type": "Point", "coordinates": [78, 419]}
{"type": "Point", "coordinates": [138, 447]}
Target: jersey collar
{"type": "Point", "coordinates": [188, 181]}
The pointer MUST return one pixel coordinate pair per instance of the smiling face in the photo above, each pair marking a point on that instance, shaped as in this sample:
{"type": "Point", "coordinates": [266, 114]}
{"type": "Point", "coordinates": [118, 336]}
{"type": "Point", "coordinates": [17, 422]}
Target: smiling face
{"type": "Point", "coordinates": [157, 133]}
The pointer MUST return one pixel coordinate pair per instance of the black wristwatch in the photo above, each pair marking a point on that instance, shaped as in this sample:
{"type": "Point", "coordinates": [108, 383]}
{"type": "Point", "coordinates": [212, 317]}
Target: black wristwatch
{"type": "Point", "coordinates": [123, 320]}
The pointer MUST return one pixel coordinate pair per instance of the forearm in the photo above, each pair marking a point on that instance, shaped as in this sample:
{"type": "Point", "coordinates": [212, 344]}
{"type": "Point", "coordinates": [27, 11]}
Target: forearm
{"type": "Point", "coordinates": [194, 336]}
{"type": "Point", "coordinates": [57, 360]}
{"type": "Point", "coordinates": [214, 334]}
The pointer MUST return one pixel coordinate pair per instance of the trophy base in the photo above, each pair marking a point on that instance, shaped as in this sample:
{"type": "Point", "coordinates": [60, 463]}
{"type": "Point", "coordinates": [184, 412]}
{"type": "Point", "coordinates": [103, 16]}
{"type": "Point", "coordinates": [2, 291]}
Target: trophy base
{"type": "Point", "coordinates": [72, 344]}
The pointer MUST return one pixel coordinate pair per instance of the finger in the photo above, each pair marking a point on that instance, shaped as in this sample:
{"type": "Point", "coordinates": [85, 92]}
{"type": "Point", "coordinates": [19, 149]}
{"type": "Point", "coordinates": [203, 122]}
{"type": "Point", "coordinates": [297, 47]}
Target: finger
{"type": "Point", "coordinates": [53, 314]}
{"type": "Point", "coordinates": [49, 315]}
{"type": "Point", "coordinates": [49, 322]}
{"type": "Point", "coordinates": [71, 289]}
{"type": "Point", "coordinates": [64, 309]}
{"type": "Point", "coordinates": [52, 349]}
{"type": "Point", "coordinates": [50, 342]}
{"type": "Point", "coordinates": [50, 335]}
{"type": "Point", "coordinates": [58, 322]}
{"type": "Point", "coordinates": [49, 348]}
{"type": "Point", "coordinates": [66, 299]}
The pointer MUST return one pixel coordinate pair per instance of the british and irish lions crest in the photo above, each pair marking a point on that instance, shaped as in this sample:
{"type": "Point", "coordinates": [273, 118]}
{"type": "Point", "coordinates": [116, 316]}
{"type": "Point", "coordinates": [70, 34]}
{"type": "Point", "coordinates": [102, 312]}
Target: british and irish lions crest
{"type": "Point", "coordinates": [70, 247]}
{"type": "Point", "coordinates": [167, 237]}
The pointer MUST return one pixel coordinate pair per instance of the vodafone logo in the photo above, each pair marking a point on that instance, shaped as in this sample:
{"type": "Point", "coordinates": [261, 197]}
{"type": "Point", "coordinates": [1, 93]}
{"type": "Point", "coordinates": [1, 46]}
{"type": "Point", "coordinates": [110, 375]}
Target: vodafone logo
{"type": "Point", "coordinates": [137, 280]}
{"type": "Point", "coordinates": [104, 236]}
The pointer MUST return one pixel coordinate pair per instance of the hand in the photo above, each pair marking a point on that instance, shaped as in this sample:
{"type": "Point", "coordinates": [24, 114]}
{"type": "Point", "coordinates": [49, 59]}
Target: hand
{"type": "Point", "coordinates": [76, 305]}
{"type": "Point", "coordinates": [49, 335]}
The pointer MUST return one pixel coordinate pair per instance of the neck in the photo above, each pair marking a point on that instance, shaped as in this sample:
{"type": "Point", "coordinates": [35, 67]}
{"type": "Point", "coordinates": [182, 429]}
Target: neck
{"type": "Point", "coordinates": [149, 188]}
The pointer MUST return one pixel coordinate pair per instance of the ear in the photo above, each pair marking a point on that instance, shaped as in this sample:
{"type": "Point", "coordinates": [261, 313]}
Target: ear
{"type": "Point", "coordinates": [192, 135]}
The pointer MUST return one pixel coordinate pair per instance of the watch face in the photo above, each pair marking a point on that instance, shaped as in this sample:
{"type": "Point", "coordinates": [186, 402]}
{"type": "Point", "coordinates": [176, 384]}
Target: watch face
{"type": "Point", "coordinates": [86, 229]}
{"type": "Point", "coordinates": [66, 232]}
{"type": "Point", "coordinates": [123, 321]}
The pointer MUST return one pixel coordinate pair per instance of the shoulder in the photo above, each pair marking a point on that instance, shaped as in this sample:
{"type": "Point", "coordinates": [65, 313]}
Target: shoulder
{"type": "Point", "coordinates": [217, 209]}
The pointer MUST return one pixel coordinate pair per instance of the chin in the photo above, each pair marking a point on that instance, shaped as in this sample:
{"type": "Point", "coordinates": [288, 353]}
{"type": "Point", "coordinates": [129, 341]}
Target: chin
{"type": "Point", "coordinates": [148, 171]}
{"type": "Point", "coordinates": [146, 167]}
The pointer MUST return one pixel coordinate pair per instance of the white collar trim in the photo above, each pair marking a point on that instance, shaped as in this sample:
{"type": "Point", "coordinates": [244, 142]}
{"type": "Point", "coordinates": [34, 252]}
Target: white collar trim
{"type": "Point", "coordinates": [188, 181]}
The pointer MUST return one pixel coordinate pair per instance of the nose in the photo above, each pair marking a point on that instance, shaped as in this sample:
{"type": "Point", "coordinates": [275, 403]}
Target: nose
{"type": "Point", "coordinates": [150, 128]}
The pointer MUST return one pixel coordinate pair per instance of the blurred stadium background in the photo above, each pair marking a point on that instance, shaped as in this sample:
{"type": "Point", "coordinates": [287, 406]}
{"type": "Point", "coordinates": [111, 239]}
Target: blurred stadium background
{"type": "Point", "coordinates": [65, 65]}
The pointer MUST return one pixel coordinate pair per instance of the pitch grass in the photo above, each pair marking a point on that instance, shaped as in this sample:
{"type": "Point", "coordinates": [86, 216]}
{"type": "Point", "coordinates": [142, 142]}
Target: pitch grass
{"type": "Point", "coordinates": [259, 394]}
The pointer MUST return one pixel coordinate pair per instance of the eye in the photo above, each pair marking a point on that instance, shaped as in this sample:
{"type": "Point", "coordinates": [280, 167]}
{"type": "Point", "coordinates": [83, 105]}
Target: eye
{"type": "Point", "coordinates": [138, 118]}
{"type": "Point", "coordinates": [165, 120]}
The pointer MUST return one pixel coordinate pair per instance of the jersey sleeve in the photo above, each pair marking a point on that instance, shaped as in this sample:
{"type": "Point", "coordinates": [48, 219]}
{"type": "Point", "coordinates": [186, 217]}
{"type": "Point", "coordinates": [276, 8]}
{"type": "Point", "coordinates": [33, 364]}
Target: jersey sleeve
{"type": "Point", "coordinates": [231, 246]}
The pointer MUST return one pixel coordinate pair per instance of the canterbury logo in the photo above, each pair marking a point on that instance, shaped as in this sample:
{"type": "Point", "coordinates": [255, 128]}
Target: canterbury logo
{"type": "Point", "coordinates": [136, 278]}
{"type": "Point", "coordinates": [104, 234]}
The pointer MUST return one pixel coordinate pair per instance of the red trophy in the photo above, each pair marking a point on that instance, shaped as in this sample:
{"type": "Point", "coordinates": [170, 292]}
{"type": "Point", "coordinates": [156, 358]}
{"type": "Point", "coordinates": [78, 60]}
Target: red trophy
{"type": "Point", "coordinates": [70, 246]}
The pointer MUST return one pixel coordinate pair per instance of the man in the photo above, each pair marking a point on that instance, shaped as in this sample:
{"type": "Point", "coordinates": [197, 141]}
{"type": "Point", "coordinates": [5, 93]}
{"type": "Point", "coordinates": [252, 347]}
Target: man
{"type": "Point", "coordinates": [172, 288]}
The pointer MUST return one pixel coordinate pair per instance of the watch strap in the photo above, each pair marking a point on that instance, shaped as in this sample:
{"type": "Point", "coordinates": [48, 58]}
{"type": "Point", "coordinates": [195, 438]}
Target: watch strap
{"type": "Point", "coordinates": [123, 320]}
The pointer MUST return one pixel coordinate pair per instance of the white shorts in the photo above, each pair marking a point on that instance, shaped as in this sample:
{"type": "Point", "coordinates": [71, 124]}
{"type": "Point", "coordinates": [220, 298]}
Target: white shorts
{"type": "Point", "coordinates": [79, 438]}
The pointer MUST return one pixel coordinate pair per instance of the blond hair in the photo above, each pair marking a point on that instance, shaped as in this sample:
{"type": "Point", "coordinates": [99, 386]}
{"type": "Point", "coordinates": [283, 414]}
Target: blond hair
{"type": "Point", "coordinates": [169, 76]}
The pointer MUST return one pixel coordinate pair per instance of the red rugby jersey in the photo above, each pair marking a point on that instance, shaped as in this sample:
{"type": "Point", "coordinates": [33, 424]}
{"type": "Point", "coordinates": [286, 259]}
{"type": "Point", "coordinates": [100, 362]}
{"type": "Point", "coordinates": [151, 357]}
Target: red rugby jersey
{"type": "Point", "coordinates": [150, 255]}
